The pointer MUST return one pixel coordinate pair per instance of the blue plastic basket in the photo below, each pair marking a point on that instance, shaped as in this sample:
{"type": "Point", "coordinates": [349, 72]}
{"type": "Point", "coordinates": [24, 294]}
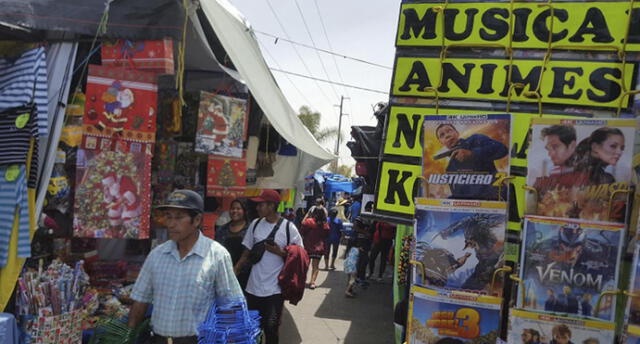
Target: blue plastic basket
{"type": "Point", "coordinates": [230, 323]}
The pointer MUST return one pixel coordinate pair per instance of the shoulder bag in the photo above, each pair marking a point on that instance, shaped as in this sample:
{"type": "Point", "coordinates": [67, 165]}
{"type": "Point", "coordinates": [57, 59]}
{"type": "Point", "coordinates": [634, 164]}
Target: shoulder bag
{"type": "Point", "coordinates": [257, 251]}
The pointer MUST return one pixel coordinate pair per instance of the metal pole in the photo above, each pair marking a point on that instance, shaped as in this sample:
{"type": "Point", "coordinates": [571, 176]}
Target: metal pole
{"type": "Point", "coordinates": [339, 128]}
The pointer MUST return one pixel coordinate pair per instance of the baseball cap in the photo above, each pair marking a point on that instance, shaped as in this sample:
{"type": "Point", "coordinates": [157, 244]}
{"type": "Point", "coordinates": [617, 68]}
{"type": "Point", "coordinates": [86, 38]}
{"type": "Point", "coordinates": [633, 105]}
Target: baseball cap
{"type": "Point", "coordinates": [184, 199]}
{"type": "Point", "coordinates": [267, 195]}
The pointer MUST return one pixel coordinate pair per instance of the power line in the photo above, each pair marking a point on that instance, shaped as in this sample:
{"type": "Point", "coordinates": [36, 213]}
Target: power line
{"type": "Point", "coordinates": [326, 36]}
{"type": "Point", "coordinates": [328, 81]}
{"type": "Point", "coordinates": [273, 11]}
{"type": "Point", "coordinates": [324, 69]}
{"type": "Point", "coordinates": [278, 38]}
{"type": "Point", "coordinates": [288, 77]}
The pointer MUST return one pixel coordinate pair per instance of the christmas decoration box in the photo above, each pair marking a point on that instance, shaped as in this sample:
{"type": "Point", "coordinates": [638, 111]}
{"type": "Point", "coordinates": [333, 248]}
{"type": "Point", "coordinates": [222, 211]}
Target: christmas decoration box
{"type": "Point", "coordinates": [121, 104]}
{"type": "Point", "coordinates": [226, 177]}
{"type": "Point", "coordinates": [151, 55]}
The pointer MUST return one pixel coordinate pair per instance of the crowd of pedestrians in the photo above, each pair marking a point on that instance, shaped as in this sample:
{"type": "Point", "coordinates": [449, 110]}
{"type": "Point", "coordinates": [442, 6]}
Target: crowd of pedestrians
{"type": "Point", "coordinates": [251, 257]}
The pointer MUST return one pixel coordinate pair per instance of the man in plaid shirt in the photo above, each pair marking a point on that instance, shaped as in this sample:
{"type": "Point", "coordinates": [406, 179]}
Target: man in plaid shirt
{"type": "Point", "coordinates": [184, 276]}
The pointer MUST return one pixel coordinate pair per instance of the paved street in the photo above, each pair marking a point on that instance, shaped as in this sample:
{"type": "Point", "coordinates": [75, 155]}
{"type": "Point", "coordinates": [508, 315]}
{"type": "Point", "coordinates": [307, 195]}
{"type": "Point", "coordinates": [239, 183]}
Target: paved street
{"type": "Point", "coordinates": [326, 316]}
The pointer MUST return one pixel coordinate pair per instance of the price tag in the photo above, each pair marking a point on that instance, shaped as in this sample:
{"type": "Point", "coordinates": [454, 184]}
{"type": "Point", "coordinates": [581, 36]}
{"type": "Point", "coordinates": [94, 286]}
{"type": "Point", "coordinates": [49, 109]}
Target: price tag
{"type": "Point", "coordinates": [22, 120]}
{"type": "Point", "coordinates": [12, 173]}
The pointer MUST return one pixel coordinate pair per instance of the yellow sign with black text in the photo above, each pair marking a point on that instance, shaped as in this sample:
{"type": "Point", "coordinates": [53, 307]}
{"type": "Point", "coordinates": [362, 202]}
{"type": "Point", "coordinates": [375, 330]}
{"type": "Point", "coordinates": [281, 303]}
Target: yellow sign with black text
{"type": "Point", "coordinates": [584, 83]}
{"type": "Point", "coordinates": [397, 186]}
{"type": "Point", "coordinates": [576, 25]}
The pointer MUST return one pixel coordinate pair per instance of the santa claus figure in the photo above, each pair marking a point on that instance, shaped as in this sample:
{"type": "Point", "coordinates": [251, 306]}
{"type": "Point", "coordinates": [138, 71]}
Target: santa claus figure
{"type": "Point", "coordinates": [121, 196]}
{"type": "Point", "coordinates": [215, 123]}
{"type": "Point", "coordinates": [116, 99]}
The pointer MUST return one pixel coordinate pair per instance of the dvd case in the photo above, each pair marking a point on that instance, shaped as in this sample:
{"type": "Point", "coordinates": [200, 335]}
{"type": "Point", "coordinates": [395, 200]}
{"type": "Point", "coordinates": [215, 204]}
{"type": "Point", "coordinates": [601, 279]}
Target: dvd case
{"type": "Point", "coordinates": [452, 317]}
{"type": "Point", "coordinates": [531, 327]}
{"type": "Point", "coordinates": [467, 156]}
{"type": "Point", "coordinates": [566, 265]}
{"type": "Point", "coordinates": [576, 165]}
{"type": "Point", "coordinates": [461, 244]}
{"type": "Point", "coordinates": [632, 335]}
{"type": "Point", "coordinates": [633, 303]}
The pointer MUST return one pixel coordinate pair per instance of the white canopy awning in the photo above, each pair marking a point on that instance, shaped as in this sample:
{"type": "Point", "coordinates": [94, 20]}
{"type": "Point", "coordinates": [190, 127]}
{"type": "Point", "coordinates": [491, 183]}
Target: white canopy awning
{"type": "Point", "coordinates": [238, 40]}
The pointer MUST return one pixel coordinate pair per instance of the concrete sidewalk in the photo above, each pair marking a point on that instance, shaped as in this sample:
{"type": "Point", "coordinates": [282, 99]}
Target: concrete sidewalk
{"type": "Point", "coordinates": [326, 316]}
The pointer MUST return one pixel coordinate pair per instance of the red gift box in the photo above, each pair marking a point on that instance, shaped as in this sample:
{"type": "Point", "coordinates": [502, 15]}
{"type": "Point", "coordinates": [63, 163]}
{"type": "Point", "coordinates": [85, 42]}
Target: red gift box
{"type": "Point", "coordinates": [226, 177]}
{"type": "Point", "coordinates": [120, 104]}
{"type": "Point", "coordinates": [154, 56]}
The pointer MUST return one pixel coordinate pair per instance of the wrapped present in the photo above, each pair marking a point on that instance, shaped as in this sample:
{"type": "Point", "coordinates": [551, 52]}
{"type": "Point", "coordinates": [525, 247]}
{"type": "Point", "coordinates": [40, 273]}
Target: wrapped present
{"type": "Point", "coordinates": [226, 177]}
{"type": "Point", "coordinates": [151, 55]}
{"type": "Point", "coordinates": [222, 125]}
{"type": "Point", "coordinates": [113, 194]}
{"type": "Point", "coordinates": [120, 104]}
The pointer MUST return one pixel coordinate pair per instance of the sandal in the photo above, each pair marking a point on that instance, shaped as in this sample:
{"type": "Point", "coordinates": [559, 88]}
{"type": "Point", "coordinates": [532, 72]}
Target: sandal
{"type": "Point", "coordinates": [349, 294]}
{"type": "Point", "coordinates": [312, 286]}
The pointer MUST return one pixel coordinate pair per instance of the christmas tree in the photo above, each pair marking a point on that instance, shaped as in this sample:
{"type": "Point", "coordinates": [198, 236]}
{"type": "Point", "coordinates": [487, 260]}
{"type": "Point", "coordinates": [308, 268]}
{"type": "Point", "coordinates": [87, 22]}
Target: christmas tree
{"type": "Point", "coordinates": [226, 177]}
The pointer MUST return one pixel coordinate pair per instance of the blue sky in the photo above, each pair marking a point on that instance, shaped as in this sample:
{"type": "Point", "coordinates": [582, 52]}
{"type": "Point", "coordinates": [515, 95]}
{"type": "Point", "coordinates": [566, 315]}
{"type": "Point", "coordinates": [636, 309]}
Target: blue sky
{"type": "Point", "coordinates": [356, 28]}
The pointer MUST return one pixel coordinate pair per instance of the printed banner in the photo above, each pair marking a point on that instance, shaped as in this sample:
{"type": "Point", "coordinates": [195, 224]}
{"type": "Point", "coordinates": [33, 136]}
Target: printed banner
{"type": "Point", "coordinates": [112, 198]}
{"type": "Point", "coordinates": [222, 125]}
{"type": "Point", "coordinates": [467, 156]}
{"type": "Point", "coordinates": [577, 166]}
{"type": "Point", "coordinates": [584, 83]}
{"type": "Point", "coordinates": [452, 318]}
{"type": "Point", "coordinates": [566, 265]}
{"type": "Point", "coordinates": [226, 177]}
{"type": "Point", "coordinates": [461, 244]}
{"type": "Point", "coordinates": [121, 104]}
{"type": "Point", "coordinates": [529, 327]}
{"type": "Point", "coordinates": [576, 25]}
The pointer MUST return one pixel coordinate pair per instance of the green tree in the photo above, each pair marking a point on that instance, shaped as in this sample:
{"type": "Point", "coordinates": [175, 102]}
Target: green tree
{"type": "Point", "coordinates": [311, 120]}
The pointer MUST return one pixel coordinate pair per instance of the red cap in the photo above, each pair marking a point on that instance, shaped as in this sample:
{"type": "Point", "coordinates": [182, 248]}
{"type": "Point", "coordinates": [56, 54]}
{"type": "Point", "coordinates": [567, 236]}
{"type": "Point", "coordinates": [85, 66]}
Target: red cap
{"type": "Point", "coordinates": [268, 195]}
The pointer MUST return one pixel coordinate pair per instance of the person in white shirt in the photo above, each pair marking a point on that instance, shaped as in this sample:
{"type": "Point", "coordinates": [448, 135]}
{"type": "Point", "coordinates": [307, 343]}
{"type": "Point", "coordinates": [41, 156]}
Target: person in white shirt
{"type": "Point", "coordinates": [263, 291]}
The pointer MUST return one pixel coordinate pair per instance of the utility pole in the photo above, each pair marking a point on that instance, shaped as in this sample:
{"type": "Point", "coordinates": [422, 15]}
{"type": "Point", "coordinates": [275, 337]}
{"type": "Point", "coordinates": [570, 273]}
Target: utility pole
{"type": "Point", "coordinates": [342, 98]}
{"type": "Point", "coordinates": [335, 163]}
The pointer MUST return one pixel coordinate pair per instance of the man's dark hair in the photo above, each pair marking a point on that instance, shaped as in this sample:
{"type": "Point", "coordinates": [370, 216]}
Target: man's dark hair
{"type": "Point", "coordinates": [565, 133]}
{"type": "Point", "coordinates": [442, 125]}
{"type": "Point", "coordinates": [192, 214]}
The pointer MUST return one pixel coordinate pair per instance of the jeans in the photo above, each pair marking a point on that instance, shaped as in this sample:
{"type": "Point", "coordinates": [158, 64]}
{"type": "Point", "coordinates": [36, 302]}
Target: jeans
{"type": "Point", "coordinates": [270, 309]}
{"type": "Point", "coordinates": [329, 245]}
{"type": "Point", "coordinates": [382, 247]}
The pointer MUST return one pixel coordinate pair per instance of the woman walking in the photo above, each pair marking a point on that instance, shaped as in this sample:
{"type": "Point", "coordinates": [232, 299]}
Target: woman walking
{"type": "Point", "coordinates": [315, 231]}
{"type": "Point", "coordinates": [230, 235]}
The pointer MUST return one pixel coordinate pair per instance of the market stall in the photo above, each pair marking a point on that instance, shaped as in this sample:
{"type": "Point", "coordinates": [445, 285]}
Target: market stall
{"type": "Point", "coordinates": [175, 96]}
{"type": "Point", "coordinates": [492, 152]}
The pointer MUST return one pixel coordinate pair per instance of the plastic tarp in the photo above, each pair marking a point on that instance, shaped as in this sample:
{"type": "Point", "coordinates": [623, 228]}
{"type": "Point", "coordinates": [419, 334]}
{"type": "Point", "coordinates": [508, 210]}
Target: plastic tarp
{"type": "Point", "coordinates": [60, 61]}
{"type": "Point", "coordinates": [139, 19]}
{"type": "Point", "coordinates": [337, 185]}
{"type": "Point", "coordinates": [241, 45]}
